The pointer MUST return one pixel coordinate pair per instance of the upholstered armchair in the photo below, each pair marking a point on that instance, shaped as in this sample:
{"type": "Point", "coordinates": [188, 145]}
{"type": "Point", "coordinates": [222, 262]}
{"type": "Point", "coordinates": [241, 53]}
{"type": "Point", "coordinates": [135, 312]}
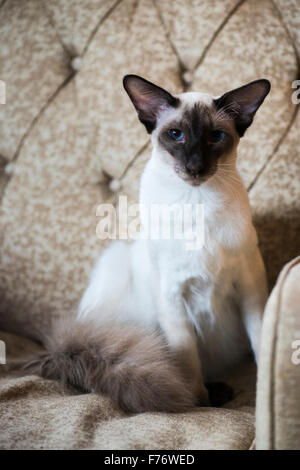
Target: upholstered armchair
{"type": "Point", "coordinates": [69, 141]}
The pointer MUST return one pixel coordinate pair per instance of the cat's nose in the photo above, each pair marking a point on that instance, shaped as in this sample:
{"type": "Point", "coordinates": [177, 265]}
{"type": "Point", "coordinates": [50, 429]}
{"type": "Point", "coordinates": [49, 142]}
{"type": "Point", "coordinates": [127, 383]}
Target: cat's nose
{"type": "Point", "coordinates": [194, 168]}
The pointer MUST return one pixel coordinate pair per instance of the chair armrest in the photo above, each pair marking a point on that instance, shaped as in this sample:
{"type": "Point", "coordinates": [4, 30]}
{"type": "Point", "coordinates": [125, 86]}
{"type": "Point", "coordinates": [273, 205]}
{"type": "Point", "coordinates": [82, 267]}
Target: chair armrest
{"type": "Point", "coordinates": [278, 387]}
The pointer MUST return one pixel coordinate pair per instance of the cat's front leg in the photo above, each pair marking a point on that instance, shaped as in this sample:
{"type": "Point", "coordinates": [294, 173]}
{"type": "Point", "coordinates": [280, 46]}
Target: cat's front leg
{"type": "Point", "coordinates": [182, 340]}
{"type": "Point", "coordinates": [253, 293]}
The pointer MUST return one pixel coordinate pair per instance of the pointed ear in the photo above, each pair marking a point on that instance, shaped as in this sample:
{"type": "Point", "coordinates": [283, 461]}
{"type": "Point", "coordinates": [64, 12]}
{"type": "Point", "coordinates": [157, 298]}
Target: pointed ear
{"type": "Point", "coordinates": [149, 99]}
{"type": "Point", "coordinates": [242, 103]}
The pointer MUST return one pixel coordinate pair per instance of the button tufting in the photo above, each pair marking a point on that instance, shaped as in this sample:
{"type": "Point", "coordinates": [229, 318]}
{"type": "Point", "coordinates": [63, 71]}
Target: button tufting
{"type": "Point", "coordinates": [115, 185]}
{"type": "Point", "coordinates": [187, 77]}
{"type": "Point", "coordinates": [76, 63]}
{"type": "Point", "coordinates": [9, 168]}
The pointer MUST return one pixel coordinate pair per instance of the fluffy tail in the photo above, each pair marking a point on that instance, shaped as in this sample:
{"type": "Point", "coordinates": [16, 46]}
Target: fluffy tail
{"type": "Point", "coordinates": [131, 365]}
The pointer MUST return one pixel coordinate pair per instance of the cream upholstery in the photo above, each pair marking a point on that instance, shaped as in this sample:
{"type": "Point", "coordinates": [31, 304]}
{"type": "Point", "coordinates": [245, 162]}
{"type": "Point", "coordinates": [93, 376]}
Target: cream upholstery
{"type": "Point", "coordinates": [65, 134]}
{"type": "Point", "coordinates": [278, 410]}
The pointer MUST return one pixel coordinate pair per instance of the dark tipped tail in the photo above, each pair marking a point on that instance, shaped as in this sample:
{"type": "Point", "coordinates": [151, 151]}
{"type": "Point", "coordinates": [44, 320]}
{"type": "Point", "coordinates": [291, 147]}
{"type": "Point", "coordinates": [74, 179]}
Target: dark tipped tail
{"type": "Point", "coordinates": [131, 365]}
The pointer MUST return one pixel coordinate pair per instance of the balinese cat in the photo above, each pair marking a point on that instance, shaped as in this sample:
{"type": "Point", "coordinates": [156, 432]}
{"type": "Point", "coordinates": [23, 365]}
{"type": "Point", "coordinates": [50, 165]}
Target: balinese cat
{"type": "Point", "coordinates": [158, 321]}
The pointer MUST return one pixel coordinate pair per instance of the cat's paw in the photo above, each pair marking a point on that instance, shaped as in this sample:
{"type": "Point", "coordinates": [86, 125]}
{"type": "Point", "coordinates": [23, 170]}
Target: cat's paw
{"type": "Point", "coordinates": [219, 393]}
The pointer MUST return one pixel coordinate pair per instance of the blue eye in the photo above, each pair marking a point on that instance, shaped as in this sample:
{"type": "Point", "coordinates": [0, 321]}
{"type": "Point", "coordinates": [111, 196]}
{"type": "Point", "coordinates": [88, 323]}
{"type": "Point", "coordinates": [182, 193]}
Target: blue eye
{"type": "Point", "coordinates": [176, 134]}
{"type": "Point", "coordinates": [217, 136]}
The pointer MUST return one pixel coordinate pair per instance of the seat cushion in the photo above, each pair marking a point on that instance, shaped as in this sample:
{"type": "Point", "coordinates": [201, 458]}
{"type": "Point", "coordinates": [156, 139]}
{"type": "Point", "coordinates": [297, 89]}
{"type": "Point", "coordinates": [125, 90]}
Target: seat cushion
{"type": "Point", "coordinates": [41, 414]}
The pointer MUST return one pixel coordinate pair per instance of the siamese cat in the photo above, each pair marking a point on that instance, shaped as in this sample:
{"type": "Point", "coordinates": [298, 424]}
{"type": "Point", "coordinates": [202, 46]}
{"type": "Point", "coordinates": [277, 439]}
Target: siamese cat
{"type": "Point", "coordinates": [158, 321]}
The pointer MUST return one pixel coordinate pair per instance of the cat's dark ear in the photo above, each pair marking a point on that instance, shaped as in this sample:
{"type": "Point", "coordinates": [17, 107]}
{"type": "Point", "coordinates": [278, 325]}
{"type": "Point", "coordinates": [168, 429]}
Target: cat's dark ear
{"type": "Point", "coordinates": [242, 103]}
{"type": "Point", "coordinates": [149, 99]}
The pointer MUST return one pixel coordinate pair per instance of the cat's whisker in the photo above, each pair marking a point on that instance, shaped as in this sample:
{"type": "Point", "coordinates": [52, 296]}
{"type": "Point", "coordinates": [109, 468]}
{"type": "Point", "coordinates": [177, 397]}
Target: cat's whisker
{"type": "Point", "coordinates": [229, 187]}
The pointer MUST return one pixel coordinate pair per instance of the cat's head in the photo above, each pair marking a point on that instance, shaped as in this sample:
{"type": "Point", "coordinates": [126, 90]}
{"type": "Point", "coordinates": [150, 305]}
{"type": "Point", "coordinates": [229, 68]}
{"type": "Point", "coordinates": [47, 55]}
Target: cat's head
{"type": "Point", "coordinates": [195, 132]}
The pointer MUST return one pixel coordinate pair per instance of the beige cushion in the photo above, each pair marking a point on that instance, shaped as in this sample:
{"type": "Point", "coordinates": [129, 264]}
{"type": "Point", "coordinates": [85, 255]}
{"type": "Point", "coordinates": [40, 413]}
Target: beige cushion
{"type": "Point", "coordinates": [40, 414]}
{"type": "Point", "coordinates": [278, 406]}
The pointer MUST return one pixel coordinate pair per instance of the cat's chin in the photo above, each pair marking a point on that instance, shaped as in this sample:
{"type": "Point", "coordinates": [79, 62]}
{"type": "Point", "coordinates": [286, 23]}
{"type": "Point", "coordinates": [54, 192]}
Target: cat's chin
{"type": "Point", "coordinates": [193, 180]}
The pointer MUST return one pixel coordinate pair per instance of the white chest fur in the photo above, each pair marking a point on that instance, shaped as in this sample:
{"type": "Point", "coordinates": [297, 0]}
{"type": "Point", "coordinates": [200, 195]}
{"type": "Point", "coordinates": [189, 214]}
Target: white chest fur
{"type": "Point", "coordinates": [205, 278]}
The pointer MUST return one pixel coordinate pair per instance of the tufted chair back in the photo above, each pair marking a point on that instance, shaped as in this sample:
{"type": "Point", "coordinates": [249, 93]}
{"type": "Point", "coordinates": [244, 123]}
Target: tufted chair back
{"type": "Point", "coordinates": [68, 130]}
